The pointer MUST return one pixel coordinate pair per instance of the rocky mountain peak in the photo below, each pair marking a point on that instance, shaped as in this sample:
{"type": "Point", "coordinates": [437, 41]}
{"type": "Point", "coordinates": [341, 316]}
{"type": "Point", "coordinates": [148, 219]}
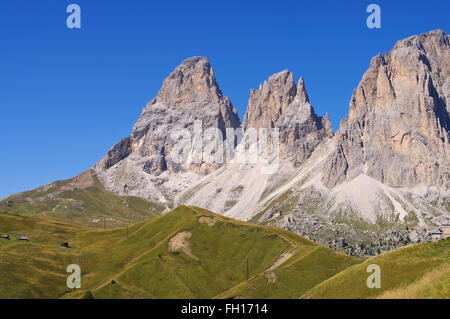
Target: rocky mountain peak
{"type": "Point", "coordinates": [435, 39]}
{"type": "Point", "coordinates": [266, 104]}
{"type": "Point", "coordinates": [189, 94]}
{"type": "Point", "coordinates": [280, 103]}
{"type": "Point", "coordinates": [192, 81]}
{"type": "Point", "coordinates": [398, 127]}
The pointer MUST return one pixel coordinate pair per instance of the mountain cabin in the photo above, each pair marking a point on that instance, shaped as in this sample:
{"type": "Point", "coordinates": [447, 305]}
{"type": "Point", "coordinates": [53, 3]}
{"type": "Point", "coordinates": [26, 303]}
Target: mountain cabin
{"type": "Point", "coordinates": [436, 236]}
{"type": "Point", "coordinates": [446, 231]}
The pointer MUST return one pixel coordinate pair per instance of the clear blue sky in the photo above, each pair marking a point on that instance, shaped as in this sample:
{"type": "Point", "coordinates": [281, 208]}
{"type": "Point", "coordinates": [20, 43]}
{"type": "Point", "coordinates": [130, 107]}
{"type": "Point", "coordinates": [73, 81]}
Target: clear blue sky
{"type": "Point", "coordinates": [66, 95]}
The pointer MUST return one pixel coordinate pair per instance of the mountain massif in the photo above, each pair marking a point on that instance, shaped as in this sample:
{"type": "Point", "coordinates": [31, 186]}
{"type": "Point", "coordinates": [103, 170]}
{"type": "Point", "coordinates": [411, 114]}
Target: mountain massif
{"type": "Point", "coordinates": [381, 182]}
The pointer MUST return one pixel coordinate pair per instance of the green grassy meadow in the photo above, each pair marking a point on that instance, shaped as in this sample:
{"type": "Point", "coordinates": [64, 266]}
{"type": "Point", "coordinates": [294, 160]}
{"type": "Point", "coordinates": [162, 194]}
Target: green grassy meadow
{"type": "Point", "coordinates": [221, 258]}
{"type": "Point", "coordinates": [414, 271]}
{"type": "Point", "coordinates": [86, 203]}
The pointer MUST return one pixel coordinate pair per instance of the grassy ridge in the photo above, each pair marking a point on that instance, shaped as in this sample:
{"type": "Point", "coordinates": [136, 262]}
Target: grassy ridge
{"type": "Point", "coordinates": [434, 284]}
{"type": "Point", "coordinates": [90, 204]}
{"type": "Point", "coordinates": [404, 272]}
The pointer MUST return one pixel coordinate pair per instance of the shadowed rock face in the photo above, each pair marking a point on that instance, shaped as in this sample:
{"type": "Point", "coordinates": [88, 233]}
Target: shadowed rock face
{"type": "Point", "coordinates": [118, 152]}
{"type": "Point", "coordinates": [279, 103]}
{"type": "Point", "coordinates": [397, 130]}
{"type": "Point", "coordinates": [189, 93]}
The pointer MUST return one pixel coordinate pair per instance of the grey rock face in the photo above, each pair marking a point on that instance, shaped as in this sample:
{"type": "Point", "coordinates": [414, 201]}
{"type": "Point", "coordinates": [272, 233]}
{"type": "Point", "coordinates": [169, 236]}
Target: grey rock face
{"type": "Point", "coordinates": [270, 101]}
{"type": "Point", "coordinates": [386, 180]}
{"type": "Point", "coordinates": [189, 93]}
{"type": "Point", "coordinates": [142, 164]}
{"type": "Point", "coordinates": [279, 103]}
{"type": "Point", "coordinates": [398, 127]}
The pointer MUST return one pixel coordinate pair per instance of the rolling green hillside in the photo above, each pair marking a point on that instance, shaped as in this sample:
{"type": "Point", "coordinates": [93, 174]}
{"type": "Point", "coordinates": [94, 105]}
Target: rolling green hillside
{"type": "Point", "coordinates": [217, 263]}
{"type": "Point", "coordinates": [82, 200]}
{"type": "Point", "coordinates": [415, 271]}
{"type": "Point", "coordinates": [192, 253]}
{"type": "Point", "coordinates": [187, 253]}
{"type": "Point", "coordinates": [37, 268]}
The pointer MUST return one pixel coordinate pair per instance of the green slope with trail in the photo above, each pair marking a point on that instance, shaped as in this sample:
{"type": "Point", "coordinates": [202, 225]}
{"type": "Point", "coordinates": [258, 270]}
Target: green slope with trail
{"type": "Point", "coordinates": [193, 253]}
{"type": "Point", "coordinates": [214, 260]}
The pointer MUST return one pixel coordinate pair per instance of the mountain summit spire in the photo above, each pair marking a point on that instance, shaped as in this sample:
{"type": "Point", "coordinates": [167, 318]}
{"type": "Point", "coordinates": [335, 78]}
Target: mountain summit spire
{"type": "Point", "coordinates": [192, 81]}
{"type": "Point", "coordinates": [301, 91]}
{"type": "Point", "coordinates": [188, 94]}
{"type": "Point", "coordinates": [279, 103]}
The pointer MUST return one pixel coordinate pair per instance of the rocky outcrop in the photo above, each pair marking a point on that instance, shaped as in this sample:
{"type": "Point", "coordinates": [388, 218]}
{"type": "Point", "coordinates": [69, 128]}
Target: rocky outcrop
{"type": "Point", "coordinates": [279, 103]}
{"type": "Point", "coordinates": [398, 127]}
{"type": "Point", "coordinates": [345, 238]}
{"type": "Point", "coordinates": [270, 101]}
